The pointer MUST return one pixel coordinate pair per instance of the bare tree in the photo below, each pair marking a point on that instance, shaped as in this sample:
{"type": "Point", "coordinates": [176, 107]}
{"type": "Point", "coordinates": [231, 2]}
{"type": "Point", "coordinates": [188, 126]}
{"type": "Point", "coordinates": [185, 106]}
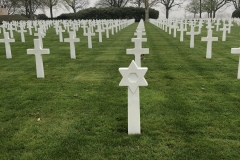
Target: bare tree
{"type": "Point", "coordinates": [111, 3]}
{"type": "Point", "coordinates": [76, 4]}
{"type": "Point", "coordinates": [27, 7]}
{"type": "Point", "coordinates": [169, 4]}
{"type": "Point", "coordinates": [148, 4]}
{"type": "Point", "coordinates": [236, 4]}
{"type": "Point", "coordinates": [10, 5]}
{"type": "Point", "coordinates": [50, 4]}
{"type": "Point", "coordinates": [193, 7]}
{"type": "Point", "coordinates": [212, 6]}
{"type": "Point", "coordinates": [137, 3]}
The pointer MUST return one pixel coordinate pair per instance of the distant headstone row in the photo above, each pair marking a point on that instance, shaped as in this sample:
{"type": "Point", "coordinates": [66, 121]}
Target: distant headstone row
{"type": "Point", "coordinates": [40, 28]}
{"type": "Point", "coordinates": [182, 25]}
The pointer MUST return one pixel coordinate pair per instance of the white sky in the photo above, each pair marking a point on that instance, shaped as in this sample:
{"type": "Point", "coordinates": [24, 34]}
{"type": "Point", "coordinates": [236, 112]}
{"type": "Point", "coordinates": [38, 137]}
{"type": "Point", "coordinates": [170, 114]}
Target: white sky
{"type": "Point", "coordinates": [179, 13]}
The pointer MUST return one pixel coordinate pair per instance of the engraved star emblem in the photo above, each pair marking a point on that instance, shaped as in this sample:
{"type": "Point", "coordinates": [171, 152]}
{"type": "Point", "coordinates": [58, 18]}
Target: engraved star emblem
{"type": "Point", "coordinates": [133, 76]}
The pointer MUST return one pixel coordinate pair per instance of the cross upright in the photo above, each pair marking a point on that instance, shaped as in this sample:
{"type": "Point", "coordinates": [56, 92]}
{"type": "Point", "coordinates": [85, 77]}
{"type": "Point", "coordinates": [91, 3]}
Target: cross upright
{"type": "Point", "coordinates": [11, 29]}
{"type": "Point", "coordinates": [224, 29]}
{"type": "Point", "coordinates": [139, 34]}
{"type": "Point", "coordinates": [229, 25]}
{"type": "Point", "coordinates": [107, 29]}
{"type": "Point", "coordinates": [56, 26]}
{"type": "Point", "coordinates": [7, 41]}
{"type": "Point", "coordinates": [116, 26]}
{"type": "Point", "coordinates": [217, 24]}
{"type": "Point", "coordinates": [38, 51]}
{"type": "Point", "coordinates": [200, 25]}
{"type": "Point", "coordinates": [209, 26]}
{"type": "Point", "coordinates": [182, 30]}
{"type": "Point", "coordinates": [175, 27]}
{"type": "Point", "coordinates": [22, 32]}
{"type": "Point", "coordinates": [209, 40]}
{"type": "Point", "coordinates": [89, 34]}
{"type": "Point", "coordinates": [74, 27]}
{"type": "Point", "coordinates": [72, 39]}
{"type": "Point", "coordinates": [237, 51]}
{"type": "Point", "coordinates": [112, 27]}
{"type": "Point", "coordinates": [67, 26]}
{"type": "Point", "coordinates": [166, 26]}
{"type": "Point", "coordinates": [192, 33]}
{"type": "Point", "coordinates": [84, 26]}
{"type": "Point", "coordinates": [40, 35]}
{"type": "Point", "coordinates": [99, 30]}
{"type": "Point", "coordinates": [60, 31]}
{"type": "Point", "coordinates": [162, 25]}
{"type": "Point", "coordinates": [35, 25]}
{"type": "Point", "coordinates": [29, 26]}
{"type": "Point", "coordinates": [138, 50]}
{"type": "Point", "coordinates": [185, 23]}
{"type": "Point", "coordinates": [170, 27]}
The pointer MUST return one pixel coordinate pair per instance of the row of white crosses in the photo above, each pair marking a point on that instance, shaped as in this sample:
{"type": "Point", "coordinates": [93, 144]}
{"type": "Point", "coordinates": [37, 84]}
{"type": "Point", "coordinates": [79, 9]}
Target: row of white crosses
{"type": "Point", "coordinates": [41, 32]}
{"type": "Point", "coordinates": [165, 24]}
{"type": "Point", "coordinates": [102, 26]}
{"type": "Point", "coordinates": [209, 39]}
{"type": "Point", "coordinates": [133, 77]}
{"type": "Point", "coordinates": [192, 32]}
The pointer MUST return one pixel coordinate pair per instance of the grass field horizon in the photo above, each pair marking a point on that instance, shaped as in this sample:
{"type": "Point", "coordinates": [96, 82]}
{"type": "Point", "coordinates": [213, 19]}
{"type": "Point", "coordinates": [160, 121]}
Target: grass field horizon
{"type": "Point", "coordinates": [189, 110]}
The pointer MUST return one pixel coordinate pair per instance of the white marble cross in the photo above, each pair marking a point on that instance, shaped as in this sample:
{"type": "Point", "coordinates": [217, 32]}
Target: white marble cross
{"type": "Point", "coordinates": [29, 26]}
{"type": "Point", "coordinates": [99, 30]}
{"type": "Point", "coordinates": [209, 40]}
{"type": "Point", "coordinates": [72, 39]}
{"type": "Point", "coordinates": [112, 27]}
{"type": "Point", "coordinates": [7, 41]}
{"type": "Point", "coordinates": [237, 51]}
{"type": "Point", "coordinates": [138, 50]}
{"type": "Point", "coordinates": [192, 33]}
{"type": "Point", "coordinates": [229, 25]}
{"type": "Point", "coordinates": [60, 31]}
{"type": "Point", "coordinates": [107, 29]}
{"type": "Point", "coordinates": [209, 26]}
{"type": "Point", "coordinates": [217, 24]}
{"type": "Point", "coordinates": [35, 25]}
{"type": "Point", "coordinates": [89, 34]}
{"type": "Point", "coordinates": [40, 35]}
{"type": "Point", "coordinates": [182, 29]}
{"type": "Point", "coordinates": [224, 29]}
{"type": "Point", "coordinates": [22, 32]}
{"type": "Point", "coordinates": [166, 26]}
{"type": "Point", "coordinates": [170, 28]}
{"type": "Point", "coordinates": [11, 29]}
{"type": "Point", "coordinates": [38, 51]}
{"type": "Point", "coordinates": [139, 34]}
{"type": "Point", "coordinates": [84, 27]}
{"type": "Point", "coordinates": [116, 26]}
{"type": "Point", "coordinates": [133, 77]}
{"type": "Point", "coordinates": [175, 27]}
{"type": "Point", "coordinates": [56, 26]}
{"type": "Point", "coordinates": [200, 25]}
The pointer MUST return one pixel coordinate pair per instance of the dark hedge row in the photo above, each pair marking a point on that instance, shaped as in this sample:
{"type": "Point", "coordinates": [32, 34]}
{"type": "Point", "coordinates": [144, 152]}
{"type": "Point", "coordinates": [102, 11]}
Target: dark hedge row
{"type": "Point", "coordinates": [111, 13]}
{"type": "Point", "coordinates": [236, 14]}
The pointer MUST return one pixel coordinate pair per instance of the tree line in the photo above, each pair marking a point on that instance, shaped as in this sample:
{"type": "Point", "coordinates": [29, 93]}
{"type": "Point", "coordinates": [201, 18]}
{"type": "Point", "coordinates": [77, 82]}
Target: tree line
{"type": "Point", "coordinates": [29, 7]}
{"type": "Point", "coordinates": [209, 6]}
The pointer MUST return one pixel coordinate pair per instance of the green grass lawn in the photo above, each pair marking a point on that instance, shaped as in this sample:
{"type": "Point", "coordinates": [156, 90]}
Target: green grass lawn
{"type": "Point", "coordinates": [189, 110]}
